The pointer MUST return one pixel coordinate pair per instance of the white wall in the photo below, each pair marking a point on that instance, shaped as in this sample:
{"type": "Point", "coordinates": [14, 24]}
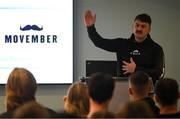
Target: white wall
{"type": "Point", "coordinates": [114, 19]}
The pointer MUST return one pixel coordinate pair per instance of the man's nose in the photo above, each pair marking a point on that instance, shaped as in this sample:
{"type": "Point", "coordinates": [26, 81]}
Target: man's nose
{"type": "Point", "coordinates": [139, 28]}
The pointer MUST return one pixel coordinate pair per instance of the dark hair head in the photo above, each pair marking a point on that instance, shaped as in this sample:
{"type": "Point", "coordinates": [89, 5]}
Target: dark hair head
{"type": "Point", "coordinates": [101, 87]}
{"type": "Point", "coordinates": [143, 18]}
{"type": "Point", "coordinates": [167, 91]}
{"type": "Point", "coordinates": [140, 80]}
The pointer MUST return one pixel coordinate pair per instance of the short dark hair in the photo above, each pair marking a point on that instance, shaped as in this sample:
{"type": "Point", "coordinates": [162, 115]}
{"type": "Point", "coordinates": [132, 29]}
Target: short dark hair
{"type": "Point", "coordinates": [143, 18]}
{"type": "Point", "coordinates": [167, 90]}
{"type": "Point", "coordinates": [101, 87]}
{"type": "Point", "coordinates": [140, 80]}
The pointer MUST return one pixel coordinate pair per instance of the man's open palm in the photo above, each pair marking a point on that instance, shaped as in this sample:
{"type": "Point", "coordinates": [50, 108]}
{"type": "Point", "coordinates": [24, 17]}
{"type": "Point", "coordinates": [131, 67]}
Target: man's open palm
{"type": "Point", "coordinates": [89, 18]}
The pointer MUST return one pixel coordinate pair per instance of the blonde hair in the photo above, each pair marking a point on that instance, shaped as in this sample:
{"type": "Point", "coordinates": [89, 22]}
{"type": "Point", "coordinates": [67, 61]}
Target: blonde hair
{"type": "Point", "coordinates": [20, 88]}
{"type": "Point", "coordinates": [77, 102]}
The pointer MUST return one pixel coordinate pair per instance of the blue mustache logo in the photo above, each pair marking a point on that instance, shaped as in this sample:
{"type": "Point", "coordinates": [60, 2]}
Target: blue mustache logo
{"type": "Point", "coordinates": [29, 27]}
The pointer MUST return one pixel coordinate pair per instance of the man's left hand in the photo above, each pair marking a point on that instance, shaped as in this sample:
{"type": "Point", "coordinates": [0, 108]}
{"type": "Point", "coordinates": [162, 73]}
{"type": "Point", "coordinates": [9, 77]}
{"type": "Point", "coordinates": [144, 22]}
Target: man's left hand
{"type": "Point", "coordinates": [129, 67]}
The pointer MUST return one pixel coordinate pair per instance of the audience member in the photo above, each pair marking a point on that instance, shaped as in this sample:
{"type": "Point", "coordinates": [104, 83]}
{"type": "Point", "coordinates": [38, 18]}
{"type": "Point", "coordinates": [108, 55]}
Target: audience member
{"type": "Point", "coordinates": [100, 88]}
{"type": "Point", "coordinates": [20, 88]}
{"type": "Point", "coordinates": [64, 114]}
{"type": "Point", "coordinates": [135, 109]}
{"type": "Point", "coordinates": [76, 101]}
{"type": "Point", "coordinates": [103, 114]}
{"type": "Point", "coordinates": [31, 109]}
{"type": "Point", "coordinates": [167, 95]}
{"type": "Point", "coordinates": [139, 87]}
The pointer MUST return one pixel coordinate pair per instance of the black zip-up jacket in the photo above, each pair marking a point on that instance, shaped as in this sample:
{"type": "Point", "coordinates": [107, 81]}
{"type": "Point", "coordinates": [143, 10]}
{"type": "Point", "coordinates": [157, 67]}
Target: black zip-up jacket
{"type": "Point", "coordinates": [148, 55]}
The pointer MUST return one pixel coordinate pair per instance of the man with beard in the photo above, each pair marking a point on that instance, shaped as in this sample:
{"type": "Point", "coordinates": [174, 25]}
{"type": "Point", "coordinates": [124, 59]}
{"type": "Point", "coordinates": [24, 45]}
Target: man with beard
{"type": "Point", "coordinates": [139, 52]}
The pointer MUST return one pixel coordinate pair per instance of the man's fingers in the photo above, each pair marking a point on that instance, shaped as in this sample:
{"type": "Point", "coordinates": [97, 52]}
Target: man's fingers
{"type": "Point", "coordinates": [124, 62]}
{"type": "Point", "coordinates": [125, 72]}
{"type": "Point", "coordinates": [131, 59]}
{"type": "Point", "coordinates": [88, 14]}
{"type": "Point", "coordinates": [124, 68]}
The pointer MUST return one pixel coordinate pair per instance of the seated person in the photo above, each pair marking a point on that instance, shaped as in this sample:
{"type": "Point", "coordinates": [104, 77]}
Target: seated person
{"type": "Point", "coordinates": [167, 95]}
{"type": "Point", "coordinates": [100, 89]}
{"type": "Point", "coordinates": [139, 87]}
{"type": "Point", "coordinates": [76, 101]}
{"type": "Point", "coordinates": [20, 88]}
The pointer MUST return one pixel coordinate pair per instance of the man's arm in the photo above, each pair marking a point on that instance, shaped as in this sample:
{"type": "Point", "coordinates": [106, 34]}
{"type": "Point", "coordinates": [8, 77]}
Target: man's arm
{"type": "Point", "coordinates": [112, 45]}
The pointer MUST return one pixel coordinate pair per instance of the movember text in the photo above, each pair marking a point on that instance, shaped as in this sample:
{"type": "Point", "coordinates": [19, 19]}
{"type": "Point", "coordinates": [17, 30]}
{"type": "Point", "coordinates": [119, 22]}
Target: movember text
{"type": "Point", "coordinates": [30, 38]}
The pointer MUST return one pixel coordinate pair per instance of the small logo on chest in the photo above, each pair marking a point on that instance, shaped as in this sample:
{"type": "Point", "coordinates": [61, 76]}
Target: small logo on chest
{"type": "Point", "coordinates": [135, 52]}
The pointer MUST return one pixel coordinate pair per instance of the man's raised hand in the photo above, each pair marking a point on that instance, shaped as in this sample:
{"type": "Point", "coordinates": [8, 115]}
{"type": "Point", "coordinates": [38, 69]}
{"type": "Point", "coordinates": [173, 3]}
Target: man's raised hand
{"type": "Point", "coordinates": [89, 18]}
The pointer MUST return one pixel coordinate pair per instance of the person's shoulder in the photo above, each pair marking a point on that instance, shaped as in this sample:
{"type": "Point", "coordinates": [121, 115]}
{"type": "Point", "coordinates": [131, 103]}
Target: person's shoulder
{"type": "Point", "coordinates": [175, 115]}
{"type": "Point", "coordinates": [64, 114]}
{"type": "Point", "coordinates": [51, 112]}
{"type": "Point", "coordinates": [8, 114]}
{"type": "Point", "coordinates": [149, 101]}
{"type": "Point", "coordinates": [156, 45]}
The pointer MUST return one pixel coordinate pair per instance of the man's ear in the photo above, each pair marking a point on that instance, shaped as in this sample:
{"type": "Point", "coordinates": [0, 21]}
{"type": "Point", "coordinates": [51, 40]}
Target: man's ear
{"type": "Point", "coordinates": [156, 98]}
{"type": "Point", "coordinates": [130, 91]}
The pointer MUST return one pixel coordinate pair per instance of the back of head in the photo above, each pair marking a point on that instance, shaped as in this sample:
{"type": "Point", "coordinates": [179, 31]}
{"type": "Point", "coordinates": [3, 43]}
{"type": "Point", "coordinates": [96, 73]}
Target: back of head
{"type": "Point", "coordinates": [20, 88]}
{"type": "Point", "coordinates": [167, 91]}
{"type": "Point", "coordinates": [143, 18]}
{"type": "Point", "coordinates": [139, 109]}
{"type": "Point", "coordinates": [101, 87]}
{"type": "Point", "coordinates": [31, 110]}
{"type": "Point", "coordinates": [77, 101]}
{"type": "Point", "coordinates": [140, 82]}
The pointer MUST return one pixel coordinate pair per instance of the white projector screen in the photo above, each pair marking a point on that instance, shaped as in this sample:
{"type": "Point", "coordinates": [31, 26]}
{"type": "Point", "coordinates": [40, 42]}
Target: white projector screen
{"type": "Point", "coordinates": [37, 35]}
